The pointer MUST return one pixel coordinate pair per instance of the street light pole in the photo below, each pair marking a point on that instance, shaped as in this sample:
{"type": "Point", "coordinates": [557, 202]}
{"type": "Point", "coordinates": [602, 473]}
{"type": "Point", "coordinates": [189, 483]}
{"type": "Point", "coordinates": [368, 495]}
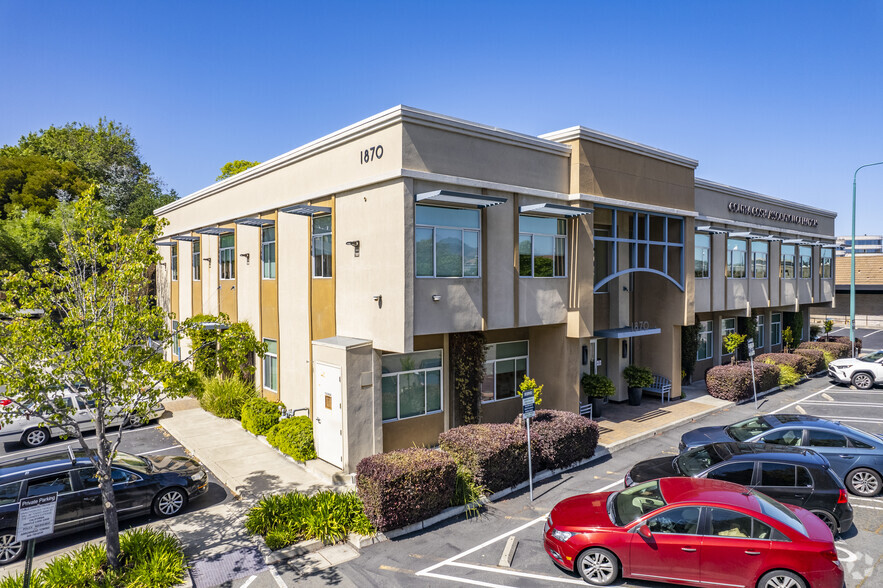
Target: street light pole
{"type": "Point", "coordinates": [852, 271]}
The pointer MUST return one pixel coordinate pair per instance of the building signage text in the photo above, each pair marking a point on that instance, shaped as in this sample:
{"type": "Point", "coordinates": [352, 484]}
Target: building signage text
{"type": "Point", "coordinates": [776, 215]}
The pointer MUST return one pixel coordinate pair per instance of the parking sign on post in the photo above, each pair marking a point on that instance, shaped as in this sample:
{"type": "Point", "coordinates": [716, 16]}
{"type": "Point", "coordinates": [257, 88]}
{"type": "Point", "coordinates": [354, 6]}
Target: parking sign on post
{"type": "Point", "coordinates": [36, 518]}
{"type": "Point", "coordinates": [528, 411]}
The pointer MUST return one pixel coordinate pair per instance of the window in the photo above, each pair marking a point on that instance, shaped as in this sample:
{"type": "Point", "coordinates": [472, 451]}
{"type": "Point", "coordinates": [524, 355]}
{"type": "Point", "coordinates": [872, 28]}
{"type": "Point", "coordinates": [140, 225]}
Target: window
{"type": "Point", "coordinates": [783, 474]}
{"type": "Point", "coordinates": [174, 262]}
{"type": "Point", "coordinates": [705, 340]}
{"type": "Point", "coordinates": [738, 473]}
{"type": "Point", "coordinates": [728, 327]}
{"type": "Point", "coordinates": [776, 329]}
{"type": "Point", "coordinates": [197, 262]}
{"type": "Point", "coordinates": [853, 442]}
{"type": "Point", "coordinates": [826, 439]}
{"type": "Point", "coordinates": [786, 270]}
{"type": "Point", "coordinates": [783, 437]}
{"type": "Point", "coordinates": [271, 366]}
{"type": "Point", "coordinates": [9, 493]}
{"type": "Point", "coordinates": [682, 520]}
{"type": "Point", "coordinates": [759, 254]}
{"type": "Point", "coordinates": [736, 258]}
{"type": "Point", "coordinates": [827, 262]}
{"type": "Point", "coordinates": [89, 477]}
{"type": "Point", "coordinates": [49, 484]}
{"type": "Point", "coordinates": [176, 340]}
{"type": "Point", "coordinates": [805, 262]}
{"type": "Point", "coordinates": [702, 255]}
{"type": "Point", "coordinates": [411, 384]}
{"type": "Point", "coordinates": [268, 253]}
{"type": "Point", "coordinates": [446, 242]}
{"type": "Point", "coordinates": [761, 327]}
{"type": "Point", "coordinates": [504, 368]}
{"type": "Point", "coordinates": [322, 246]}
{"type": "Point", "coordinates": [541, 246]}
{"type": "Point", "coordinates": [227, 255]}
{"type": "Point", "coordinates": [728, 523]}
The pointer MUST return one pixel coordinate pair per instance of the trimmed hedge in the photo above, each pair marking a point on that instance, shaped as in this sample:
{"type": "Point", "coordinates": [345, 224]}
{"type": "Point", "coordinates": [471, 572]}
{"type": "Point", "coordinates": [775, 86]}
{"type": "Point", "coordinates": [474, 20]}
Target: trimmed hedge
{"type": "Point", "coordinates": [798, 362]}
{"type": "Point", "coordinates": [496, 454]}
{"type": "Point", "coordinates": [845, 341]}
{"type": "Point", "coordinates": [294, 437]}
{"type": "Point", "coordinates": [560, 438]}
{"type": "Point", "coordinates": [259, 415]}
{"type": "Point", "coordinates": [733, 382]}
{"type": "Point", "coordinates": [405, 486]}
{"type": "Point", "coordinates": [816, 358]}
{"type": "Point", "coordinates": [839, 350]}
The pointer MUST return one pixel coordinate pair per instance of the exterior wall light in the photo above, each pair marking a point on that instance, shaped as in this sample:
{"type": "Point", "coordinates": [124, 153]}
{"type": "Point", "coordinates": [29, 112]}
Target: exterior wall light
{"type": "Point", "coordinates": [379, 300]}
{"type": "Point", "coordinates": [436, 297]}
{"type": "Point", "coordinates": [209, 260]}
{"type": "Point", "coordinates": [247, 257]}
{"type": "Point", "coordinates": [355, 246]}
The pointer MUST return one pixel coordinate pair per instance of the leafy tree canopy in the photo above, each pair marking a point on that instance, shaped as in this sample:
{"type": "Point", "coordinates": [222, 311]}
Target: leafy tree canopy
{"type": "Point", "coordinates": [36, 182]}
{"type": "Point", "coordinates": [224, 351]}
{"type": "Point", "coordinates": [231, 168]}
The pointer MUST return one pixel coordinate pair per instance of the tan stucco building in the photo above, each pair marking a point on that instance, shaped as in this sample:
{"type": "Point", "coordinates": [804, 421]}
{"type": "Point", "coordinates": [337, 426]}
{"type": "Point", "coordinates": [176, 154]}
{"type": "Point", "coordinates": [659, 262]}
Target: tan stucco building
{"type": "Point", "coordinates": [356, 257]}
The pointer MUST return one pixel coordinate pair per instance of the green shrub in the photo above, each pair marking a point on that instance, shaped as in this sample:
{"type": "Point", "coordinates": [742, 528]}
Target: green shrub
{"type": "Point", "coordinates": [294, 437]}
{"type": "Point", "coordinates": [597, 386]}
{"type": "Point", "coordinates": [284, 519]}
{"type": "Point", "coordinates": [637, 377]}
{"type": "Point", "coordinates": [495, 453]}
{"type": "Point", "coordinates": [816, 358]}
{"type": "Point", "coordinates": [788, 376]}
{"type": "Point", "coordinates": [734, 383]}
{"type": "Point", "coordinates": [560, 438]}
{"type": "Point", "coordinates": [829, 357]}
{"type": "Point", "coordinates": [259, 415]}
{"type": "Point", "coordinates": [466, 491]}
{"type": "Point", "coordinates": [225, 397]}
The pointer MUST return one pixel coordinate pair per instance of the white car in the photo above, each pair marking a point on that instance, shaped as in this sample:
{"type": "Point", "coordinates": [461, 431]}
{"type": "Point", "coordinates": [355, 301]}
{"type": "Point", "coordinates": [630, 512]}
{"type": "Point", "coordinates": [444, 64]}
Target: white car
{"type": "Point", "coordinates": [33, 431]}
{"type": "Point", "coordinates": [862, 372]}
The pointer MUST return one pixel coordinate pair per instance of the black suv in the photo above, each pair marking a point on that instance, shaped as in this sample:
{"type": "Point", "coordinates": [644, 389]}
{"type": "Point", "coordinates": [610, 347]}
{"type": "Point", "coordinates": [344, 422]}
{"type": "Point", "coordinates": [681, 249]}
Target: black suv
{"type": "Point", "coordinates": [792, 475]}
{"type": "Point", "coordinates": [162, 484]}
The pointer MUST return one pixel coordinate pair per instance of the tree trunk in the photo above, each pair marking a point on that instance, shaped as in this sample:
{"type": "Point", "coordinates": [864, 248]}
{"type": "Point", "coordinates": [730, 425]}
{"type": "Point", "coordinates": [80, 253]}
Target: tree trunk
{"type": "Point", "coordinates": [108, 500]}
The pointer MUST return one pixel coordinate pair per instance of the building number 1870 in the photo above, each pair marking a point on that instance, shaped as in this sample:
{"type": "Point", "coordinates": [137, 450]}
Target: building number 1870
{"type": "Point", "coordinates": [368, 155]}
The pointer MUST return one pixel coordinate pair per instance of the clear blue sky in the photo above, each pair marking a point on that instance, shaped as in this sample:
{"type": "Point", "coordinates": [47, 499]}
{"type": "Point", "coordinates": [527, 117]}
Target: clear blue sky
{"type": "Point", "coordinates": [779, 97]}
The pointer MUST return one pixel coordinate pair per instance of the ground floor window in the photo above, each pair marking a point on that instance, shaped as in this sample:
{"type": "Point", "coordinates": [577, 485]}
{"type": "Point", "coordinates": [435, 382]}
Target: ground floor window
{"type": "Point", "coordinates": [176, 340]}
{"type": "Point", "coordinates": [412, 384]}
{"type": "Point", "coordinates": [776, 329]}
{"type": "Point", "coordinates": [760, 331]}
{"type": "Point", "coordinates": [728, 327]}
{"type": "Point", "coordinates": [504, 368]}
{"type": "Point", "coordinates": [705, 338]}
{"type": "Point", "coordinates": [271, 366]}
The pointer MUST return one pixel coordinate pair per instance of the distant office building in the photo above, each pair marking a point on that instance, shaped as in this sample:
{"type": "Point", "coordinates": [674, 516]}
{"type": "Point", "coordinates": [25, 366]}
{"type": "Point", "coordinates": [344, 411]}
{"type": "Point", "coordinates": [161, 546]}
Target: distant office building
{"type": "Point", "coordinates": [864, 245]}
{"type": "Point", "coordinates": [868, 292]}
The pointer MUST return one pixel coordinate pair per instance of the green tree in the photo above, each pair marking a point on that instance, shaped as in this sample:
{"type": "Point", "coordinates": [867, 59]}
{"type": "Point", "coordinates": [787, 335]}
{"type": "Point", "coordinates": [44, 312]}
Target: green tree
{"type": "Point", "coordinates": [226, 349]}
{"type": "Point", "coordinates": [231, 168]}
{"type": "Point", "coordinates": [34, 183]}
{"type": "Point", "coordinates": [732, 342]}
{"type": "Point", "coordinates": [27, 236]}
{"type": "Point", "coordinates": [93, 333]}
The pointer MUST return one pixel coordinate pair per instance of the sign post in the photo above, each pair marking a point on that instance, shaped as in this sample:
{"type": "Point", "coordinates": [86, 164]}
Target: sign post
{"type": "Point", "coordinates": [36, 518]}
{"type": "Point", "coordinates": [528, 412]}
{"type": "Point", "coordinates": [750, 344]}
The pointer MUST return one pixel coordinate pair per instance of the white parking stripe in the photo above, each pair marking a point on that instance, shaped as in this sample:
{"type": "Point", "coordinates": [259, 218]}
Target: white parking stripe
{"type": "Point", "coordinates": [519, 574]}
{"type": "Point", "coordinates": [462, 580]}
{"type": "Point", "coordinates": [158, 450]}
{"type": "Point", "coordinates": [874, 333]}
{"type": "Point", "coordinates": [279, 581]}
{"type": "Point", "coordinates": [843, 403]}
{"type": "Point", "coordinates": [853, 419]}
{"type": "Point", "coordinates": [248, 582]}
{"type": "Point", "coordinates": [866, 506]}
{"type": "Point", "coordinates": [802, 399]}
{"type": "Point", "coordinates": [877, 500]}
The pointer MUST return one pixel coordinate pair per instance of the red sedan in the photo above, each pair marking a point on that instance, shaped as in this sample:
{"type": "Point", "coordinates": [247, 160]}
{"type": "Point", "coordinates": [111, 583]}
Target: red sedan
{"type": "Point", "coordinates": [692, 531]}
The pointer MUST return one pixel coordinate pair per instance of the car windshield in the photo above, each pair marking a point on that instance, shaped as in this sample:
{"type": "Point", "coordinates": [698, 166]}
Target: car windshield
{"type": "Point", "coordinates": [697, 460]}
{"type": "Point", "coordinates": [133, 462]}
{"type": "Point", "coordinates": [634, 502]}
{"type": "Point", "coordinates": [748, 429]}
{"type": "Point", "coordinates": [773, 509]}
{"type": "Point", "coordinates": [872, 357]}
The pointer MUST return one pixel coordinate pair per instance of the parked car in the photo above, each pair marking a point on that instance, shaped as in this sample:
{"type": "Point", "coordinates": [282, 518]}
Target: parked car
{"type": "Point", "coordinates": [33, 431]}
{"type": "Point", "coordinates": [683, 529]}
{"type": "Point", "coordinates": [142, 484]}
{"type": "Point", "coordinates": [862, 372]}
{"type": "Point", "coordinates": [855, 456]}
{"type": "Point", "coordinates": [791, 475]}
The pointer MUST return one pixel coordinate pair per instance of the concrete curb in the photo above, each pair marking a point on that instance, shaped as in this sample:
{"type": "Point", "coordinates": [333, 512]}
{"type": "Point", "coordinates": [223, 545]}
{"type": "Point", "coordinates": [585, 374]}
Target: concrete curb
{"type": "Point", "coordinates": [308, 467]}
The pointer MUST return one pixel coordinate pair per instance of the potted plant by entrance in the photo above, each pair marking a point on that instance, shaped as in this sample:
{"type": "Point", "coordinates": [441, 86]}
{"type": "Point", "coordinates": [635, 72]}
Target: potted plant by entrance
{"type": "Point", "coordinates": [637, 378]}
{"type": "Point", "coordinates": [597, 388]}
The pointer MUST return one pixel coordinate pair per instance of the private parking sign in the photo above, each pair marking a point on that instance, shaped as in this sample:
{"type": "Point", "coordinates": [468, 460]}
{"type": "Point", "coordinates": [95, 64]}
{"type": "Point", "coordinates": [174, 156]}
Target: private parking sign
{"type": "Point", "coordinates": [36, 517]}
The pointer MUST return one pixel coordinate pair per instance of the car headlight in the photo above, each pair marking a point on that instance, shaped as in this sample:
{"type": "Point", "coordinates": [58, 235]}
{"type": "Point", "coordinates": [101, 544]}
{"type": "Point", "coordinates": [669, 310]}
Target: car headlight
{"type": "Point", "coordinates": [198, 476]}
{"type": "Point", "coordinates": [628, 479]}
{"type": "Point", "coordinates": [562, 536]}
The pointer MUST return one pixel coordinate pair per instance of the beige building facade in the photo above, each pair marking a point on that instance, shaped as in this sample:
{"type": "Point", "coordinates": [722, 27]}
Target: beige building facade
{"type": "Point", "coordinates": [357, 258]}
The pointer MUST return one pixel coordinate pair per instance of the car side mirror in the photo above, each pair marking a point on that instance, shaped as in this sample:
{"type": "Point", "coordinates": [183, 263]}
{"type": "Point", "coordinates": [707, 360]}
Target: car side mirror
{"type": "Point", "coordinates": [644, 530]}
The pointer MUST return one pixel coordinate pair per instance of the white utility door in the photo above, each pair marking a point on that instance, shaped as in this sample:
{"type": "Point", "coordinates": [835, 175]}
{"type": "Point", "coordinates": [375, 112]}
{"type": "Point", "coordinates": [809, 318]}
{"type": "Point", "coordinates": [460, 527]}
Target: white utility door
{"type": "Point", "coordinates": [328, 421]}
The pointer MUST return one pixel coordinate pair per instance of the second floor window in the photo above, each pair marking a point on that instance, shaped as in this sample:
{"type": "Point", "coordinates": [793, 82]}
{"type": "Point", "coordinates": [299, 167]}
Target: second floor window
{"type": "Point", "coordinates": [174, 262]}
{"type": "Point", "coordinates": [541, 246]}
{"type": "Point", "coordinates": [227, 255]}
{"type": "Point", "coordinates": [321, 246]}
{"type": "Point", "coordinates": [787, 267]}
{"type": "Point", "coordinates": [736, 258]}
{"type": "Point", "coordinates": [268, 253]}
{"type": "Point", "coordinates": [805, 262]}
{"type": "Point", "coordinates": [703, 253]}
{"type": "Point", "coordinates": [827, 259]}
{"type": "Point", "coordinates": [759, 254]}
{"type": "Point", "coordinates": [196, 262]}
{"type": "Point", "coordinates": [446, 242]}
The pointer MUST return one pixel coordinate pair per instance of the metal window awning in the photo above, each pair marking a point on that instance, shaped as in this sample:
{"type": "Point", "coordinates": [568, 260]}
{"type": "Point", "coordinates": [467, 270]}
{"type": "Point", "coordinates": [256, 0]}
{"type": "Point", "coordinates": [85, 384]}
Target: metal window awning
{"type": "Point", "coordinates": [253, 221]}
{"type": "Point", "coordinates": [712, 230]}
{"type": "Point", "coordinates": [306, 209]}
{"type": "Point", "coordinates": [626, 332]}
{"type": "Point", "coordinates": [554, 210]}
{"type": "Point", "coordinates": [448, 197]}
{"type": "Point", "coordinates": [214, 231]}
{"type": "Point", "coordinates": [190, 238]}
{"type": "Point", "coordinates": [165, 243]}
{"type": "Point", "coordinates": [750, 235]}
{"type": "Point", "coordinates": [793, 242]}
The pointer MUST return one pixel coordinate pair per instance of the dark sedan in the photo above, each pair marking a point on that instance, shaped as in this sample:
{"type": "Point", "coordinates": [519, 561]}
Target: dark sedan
{"type": "Point", "coordinates": [791, 475]}
{"type": "Point", "coordinates": [855, 456]}
{"type": "Point", "coordinates": [161, 484]}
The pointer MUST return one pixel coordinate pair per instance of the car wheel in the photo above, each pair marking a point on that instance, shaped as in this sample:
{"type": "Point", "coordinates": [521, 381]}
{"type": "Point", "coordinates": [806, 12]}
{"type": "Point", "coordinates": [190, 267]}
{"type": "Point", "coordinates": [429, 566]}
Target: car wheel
{"type": "Point", "coordinates": [863, 482]}
{"type": "Point", "coordinates": [863, 381]}
{"type": "Point", "coordinates": [35, 437]}
{"type": "Point", "coordinates": [828, 519]}
{"type": "Point", "coordinates": [169, 502]}
{"type": "Point", "coordinates": [135, 421]}
{"type": "Point", "coordinates": [10, 549]}
{"type": "Point", "coordinates": [597, 566]}
{"type": "Point", "coordinates": [781, 579]}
